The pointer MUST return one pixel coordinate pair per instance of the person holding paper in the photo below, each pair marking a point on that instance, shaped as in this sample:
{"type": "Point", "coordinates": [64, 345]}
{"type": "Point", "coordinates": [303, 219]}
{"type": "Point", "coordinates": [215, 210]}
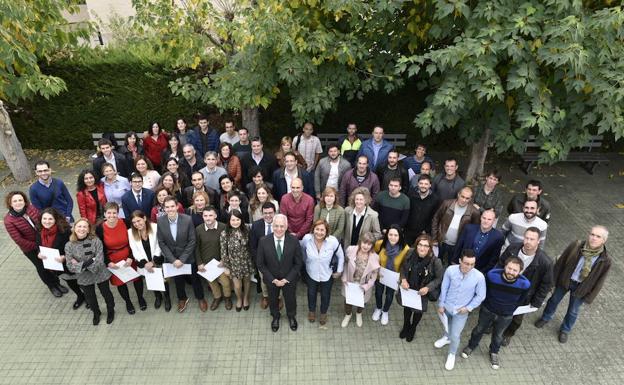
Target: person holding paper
{"type": "Point", "coordinates": [318, 249]}
{"type": "Point", "coordinates": [236, 258]}
{"type": "Point", "coordinates": [146, 251]}
{"type": "Point", "coordinates": [84, 254]}
{"type": "Point", "coordinates": [462, 291]}
{"type": "Point", "coordinates": [362, 267]}
{"type": "Point", "coordinates": [392, 250]}
{"type": "Point", "coordinates": [506, 290]}
{"type": "Point", "coordinates": [54, 233]}
{"type": "Point", "coordinates": [114, 236]}
{"type": "Point", "coordinates": [538, 268]}
{"type": "Point", "coordinates": [208, 247]}
{"type": "Point", "coordinates": [421, 271]}
{"type": "Point", "coordinates": [279, 260]}
{"type": "Point", "coordinates": [176, 238]}
{"type": "Point", "coordinates": [21, 223]}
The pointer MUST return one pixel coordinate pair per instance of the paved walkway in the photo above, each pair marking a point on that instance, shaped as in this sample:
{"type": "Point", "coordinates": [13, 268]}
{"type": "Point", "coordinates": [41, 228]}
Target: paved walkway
{"type": "Point", "coordinates": [43, 341]}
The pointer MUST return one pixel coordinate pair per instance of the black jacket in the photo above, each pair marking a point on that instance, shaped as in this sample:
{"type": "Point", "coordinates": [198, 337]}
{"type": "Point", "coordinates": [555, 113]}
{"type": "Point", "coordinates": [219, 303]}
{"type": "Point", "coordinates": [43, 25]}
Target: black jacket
{"type": "Point", "coordinates": [384, 174]}
{"type": "Point", "coordinates": [421, 213]}
{"type": "Point", "coordinates": [539, 272]}
{"type": "Point", "coordinates": [268, 165]}
{"type": "Point", "coordinates": [121, 162]}
{"type": "Point", "coordinates": [429, 275]}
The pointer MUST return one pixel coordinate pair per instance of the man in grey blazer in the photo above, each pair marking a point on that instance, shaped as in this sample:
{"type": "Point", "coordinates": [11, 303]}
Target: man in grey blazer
{"type": "Point", "coordinates": [176, 238]}
{"type": "Point", "coordinates": [279, 259]}
{"type": "Point", "coordinates": [330, 170]}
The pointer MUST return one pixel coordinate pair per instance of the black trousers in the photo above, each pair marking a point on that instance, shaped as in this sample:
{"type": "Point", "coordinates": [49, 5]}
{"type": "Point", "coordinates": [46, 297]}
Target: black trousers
{"type": "Point", "coordinates": [73, 285]}
{"type": "Point", "coordinates": [513, 327]}
{"type": "Point", "coordinates": [47, 277]}
{"type": "Point", "coordinates": [91, 298]}
{"type": "Point", "coordinates": [180, 282]}
{"type": "Point", "coordinates": [125, 294]}
{"type": "Point", "coordinates": [289, 291]}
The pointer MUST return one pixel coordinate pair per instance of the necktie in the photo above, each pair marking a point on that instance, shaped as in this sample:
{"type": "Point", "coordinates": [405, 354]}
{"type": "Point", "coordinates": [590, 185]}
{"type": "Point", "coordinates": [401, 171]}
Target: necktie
{"type": "Point", "coordinates": [279, 250]}
{"type": "Point", "coordinates": [139, 199]}
{"type": "Point", "coordinates": [269, 230]}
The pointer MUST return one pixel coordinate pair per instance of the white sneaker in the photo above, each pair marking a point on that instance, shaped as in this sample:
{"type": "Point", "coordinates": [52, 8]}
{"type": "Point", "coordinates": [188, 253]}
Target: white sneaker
{"type": "Point", "coordinates": [442, 342]}
{"type": "Point", "coordinates": [358, 319]}
{"type": "Point", "coordinates": [385, 318]}
{"type": "Point", "coordinates": [376, 315]}
{"type": "Point", "coordinates": [345, 320]}
{"type": "Point", "coordinates": [450, 362]}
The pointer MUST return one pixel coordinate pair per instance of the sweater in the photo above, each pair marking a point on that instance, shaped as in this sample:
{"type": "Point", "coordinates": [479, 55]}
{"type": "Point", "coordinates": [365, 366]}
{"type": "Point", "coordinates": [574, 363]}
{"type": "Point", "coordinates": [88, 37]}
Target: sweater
{"type": "Point", "coordinates": [207, 245]}
{"type": "Point", "coordinates": [349, 183]}
{"type": "Point", "coordinates": [56, 196]}
{"type": "Point", "coordinates": [300, 214]}
{"type": "Point", "coordinates": [445, 188]}
{"type": "Point", "coordinates": [392, 210]}
{"type": "Point", "coordinates": [504, 297]}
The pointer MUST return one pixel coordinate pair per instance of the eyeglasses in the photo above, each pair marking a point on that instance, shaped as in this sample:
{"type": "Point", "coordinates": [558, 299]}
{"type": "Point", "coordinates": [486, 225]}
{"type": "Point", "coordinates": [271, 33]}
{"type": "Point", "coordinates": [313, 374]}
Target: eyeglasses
{"type": "Point", "coordinates": [423, 245]}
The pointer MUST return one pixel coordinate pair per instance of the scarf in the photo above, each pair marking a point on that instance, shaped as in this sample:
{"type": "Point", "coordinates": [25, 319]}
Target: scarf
{"type": "Point", "coordinates": [391, 252]}
{"type": "Point", "coordinates": [18, 213]}
{"type": "Point", "coordinates": [419, 268]}
{"type": "Point", "coordinates": [589, 254]}
{"type": "Point", "coordinates": [48, 236]}
{"type": "Point", "coordinates": [133, 149]}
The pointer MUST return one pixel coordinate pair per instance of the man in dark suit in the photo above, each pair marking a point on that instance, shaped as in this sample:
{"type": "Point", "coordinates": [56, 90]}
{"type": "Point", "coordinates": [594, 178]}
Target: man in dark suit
{"type": "Point", "coordinates": [138, 198]}
{"type": "Point", "coordinates": [484, 239]}
{"type": "Point", "coordinates": [259, 229]}
{"type": "Point", "coordinates": [279, 259]}
{"type": "Point", "coordinates": [107, 155]}
{"type": "Point", "coordinates": [176, 238]}
{"type": "Point", "coordinates": [257, 157]}
{"type": "Point", "coordinates": [197, 184]}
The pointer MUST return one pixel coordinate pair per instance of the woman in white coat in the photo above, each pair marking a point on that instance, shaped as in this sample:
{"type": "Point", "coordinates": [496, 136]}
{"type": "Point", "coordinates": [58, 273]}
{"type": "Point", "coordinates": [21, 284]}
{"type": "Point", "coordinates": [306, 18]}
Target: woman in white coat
{"type": "Point", "coordinates": [146, 252]}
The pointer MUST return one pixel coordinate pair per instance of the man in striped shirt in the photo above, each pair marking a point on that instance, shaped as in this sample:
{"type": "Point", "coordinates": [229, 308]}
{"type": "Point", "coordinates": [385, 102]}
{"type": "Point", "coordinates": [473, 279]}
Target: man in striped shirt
{"type": "Point", "coordinates": [516, 224]}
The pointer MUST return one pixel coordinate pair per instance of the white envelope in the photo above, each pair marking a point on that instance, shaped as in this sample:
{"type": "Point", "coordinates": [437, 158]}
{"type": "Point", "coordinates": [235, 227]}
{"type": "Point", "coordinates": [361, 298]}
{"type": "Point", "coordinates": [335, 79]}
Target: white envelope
{"type": "Point", "coordinates": [354, 295]}
{"type": "Point", "coordinates": [171, 271]}
{"type": "Point", "coordinates": [411, 298]}
{"type": "Point", "coordinates": [155, 280]}
{"type": "Point", "coordinates": [124, 273]}
{"type": "Point", "coordinates": [389, 278]}
{"type": "Point", "coordinates": [213, 271]}
{"type": "Point", "coordinates": [525, 309]}
{"type": "Point", "coordinates": [50, 261]}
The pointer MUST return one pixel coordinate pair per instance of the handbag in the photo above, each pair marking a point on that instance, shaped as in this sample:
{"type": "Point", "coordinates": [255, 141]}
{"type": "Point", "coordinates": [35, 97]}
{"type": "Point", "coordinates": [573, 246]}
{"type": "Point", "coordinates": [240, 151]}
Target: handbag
{"type": "Point", "coordinates": [333, 263]}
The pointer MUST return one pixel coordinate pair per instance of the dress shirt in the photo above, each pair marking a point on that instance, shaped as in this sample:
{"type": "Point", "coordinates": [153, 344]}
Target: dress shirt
{"type": "Point", "coordinates": [576, 275]}
{"type": "Point", "coordinates": [459, 289]}
{"type": "Point", "coordinates": [173, 226]}
{"type": "Point", "coordinates": [317, 263]}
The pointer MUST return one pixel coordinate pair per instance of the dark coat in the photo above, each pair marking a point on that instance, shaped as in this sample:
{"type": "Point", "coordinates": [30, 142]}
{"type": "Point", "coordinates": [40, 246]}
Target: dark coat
{"type": "Point", "coordinates": [271, 268]}
{"type": "Point", "coordinates": [129, 203]}
{"type": "Point", "coordinates": [183, 247]}
{"type": "Point", "coordinates": [121, 162]}
{"type": "Point", "coordinates": [279, 183]}
{"type": "Point", "coordinates": [539, 272]}
{"type": "Point", "coordinates": [488, 256]}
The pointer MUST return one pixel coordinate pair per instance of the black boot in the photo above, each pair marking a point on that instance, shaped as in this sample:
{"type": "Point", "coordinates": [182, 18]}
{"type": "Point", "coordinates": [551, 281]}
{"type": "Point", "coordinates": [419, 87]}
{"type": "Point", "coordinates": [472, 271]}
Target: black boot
{"type": "Point", "coordinates": [142, 304]}
{"type": "Point", "coordinates": [158, 300]}
{"type": "Point", "coordinates": [409, 337]}
{"type": "Point", "coordinates": [407, 315]}
{"type": "Point", "coordinates": [110, 317]}
{"type": "Point", "coordinates": [167, 302]}
{"type": "Point", "coordinates": [96, 318]}
{"type": "Point", "coordinates": [79, 301]}
{"type": "Point", "coordinates": [130, 308]}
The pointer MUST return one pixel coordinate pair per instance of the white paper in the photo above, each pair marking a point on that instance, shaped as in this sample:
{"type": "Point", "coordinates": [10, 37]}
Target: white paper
{"type": "Point", "coordinates": [436, 250]}
{"type": "Point", "coordinates": [525, 309]}
{"type": "Point", "coordinates": [124, 273]}
{"type": "Point", "coordinates": [444, 319]}
{"type": "Point", "coordinates": [50, 261]}
{"type": "Point", "coordinates": [411, 298]}
{"type": "Point", "coordinates": [410, 173]}
{"type": "Point", "coordinates": [171, 271]}
{"type": "Point", "coordinates": [389, 278]}
{"type": "Point", "coordinates": [213, 271]}
{"type": "Point", "coordinates": [354, 295]}
{"type": "Point", "coordinates": [155, 280]}
{"type": "Point", "coordinates": [253, 278]}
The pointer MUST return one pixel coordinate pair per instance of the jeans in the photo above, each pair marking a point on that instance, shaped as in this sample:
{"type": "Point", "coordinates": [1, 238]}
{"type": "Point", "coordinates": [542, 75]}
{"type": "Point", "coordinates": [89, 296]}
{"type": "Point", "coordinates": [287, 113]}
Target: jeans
{"type": "Point", "coordinates": [445, 253]}
{"type": "Point", "coordinates": [456, 324]}
{"type": "Point", "coordinates": [325, 289]}
{"type": "Point", "coordinates": [487, 319]}
{"type": "Point", "coordinates": [379, 296]}
{"type": "Point", "coordinates": [573, 308]}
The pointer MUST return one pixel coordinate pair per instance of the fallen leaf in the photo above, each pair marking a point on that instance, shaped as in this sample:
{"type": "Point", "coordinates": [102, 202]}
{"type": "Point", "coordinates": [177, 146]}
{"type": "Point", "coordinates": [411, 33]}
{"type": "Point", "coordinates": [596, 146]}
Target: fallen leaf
{"type": "Point", "coordinates": [620, 205]}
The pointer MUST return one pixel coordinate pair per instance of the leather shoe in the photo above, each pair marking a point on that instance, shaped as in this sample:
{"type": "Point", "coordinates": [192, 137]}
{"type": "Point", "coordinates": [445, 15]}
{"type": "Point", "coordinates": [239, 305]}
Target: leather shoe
{"type": "Point", "coordinates": [55, 292]}
{"type": "Point", "coordinates": [540, 323]}
{"type": "Point", "coordinates": [157, 302]}
{"type": "Point", "coordinates": [78, 303]}
{"type": "Point", "coordinates": [506, 340]}
{"type": "Point", "coordinates": [142, 304]}
{"type": "Point", "coordinates": [311, 316]}
{"type": "Point", "coordinates": [228, 303]}
{"type": "Point", "coordinates": [62, 288]}
{"type": "Point", "coordinates": [293, 324]}
{"type": "Point", "coordinates": [215, 303]}
{"type": "Point", "coordinates": [563, 337]}
{"type": "Point", "coordinates": [130, 308]}
{"type": "Point", "coordinates": [110, 317]}
{"type": "Point", "coordinates": [264, 303]}
{"type": "Point", "coordinates": [167, 303]}
{"type": "Point", "coordinates": [96, 319]}
{"type": "Point", "coordinates": [182, 305]}
{"type": "Point", "coordinates": [203, 305]}
{"type": "Point", "coordinates": [275, 324]}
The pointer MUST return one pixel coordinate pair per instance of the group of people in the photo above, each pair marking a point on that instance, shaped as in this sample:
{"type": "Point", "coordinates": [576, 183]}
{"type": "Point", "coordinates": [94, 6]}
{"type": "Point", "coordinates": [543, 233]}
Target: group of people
{"type": "Point", "coordinates": [353, 214]}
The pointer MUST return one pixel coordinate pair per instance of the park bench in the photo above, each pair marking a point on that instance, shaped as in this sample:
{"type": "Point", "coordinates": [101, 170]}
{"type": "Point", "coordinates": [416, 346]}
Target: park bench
{"type": "Point", "coordinates": [397, 140]}
{"type": "Point", "coordinates": [119, 138]}
{"type": "Point", "coordinates": [584, 155]}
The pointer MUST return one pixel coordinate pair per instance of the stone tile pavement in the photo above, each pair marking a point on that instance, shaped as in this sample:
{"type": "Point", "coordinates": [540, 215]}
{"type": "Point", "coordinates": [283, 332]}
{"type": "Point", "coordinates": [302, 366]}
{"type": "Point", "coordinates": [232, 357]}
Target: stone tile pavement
{"type": "Point", "coordinates": [43, 341]}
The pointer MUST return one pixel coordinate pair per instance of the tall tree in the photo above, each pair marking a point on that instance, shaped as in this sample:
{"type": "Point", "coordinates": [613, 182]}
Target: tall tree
{"type": "Point", "coordinates": [552, 68]}
{"type": "Point", "coordinates": [31, 31]}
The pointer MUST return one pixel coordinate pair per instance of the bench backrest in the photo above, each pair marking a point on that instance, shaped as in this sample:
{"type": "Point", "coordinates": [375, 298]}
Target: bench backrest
{"type": "Point", "coordinates": [595, 141]}
{"type": "Point", "coordinates": [119, 138]}
{"type": "Point", "coordinates": [397, 140]}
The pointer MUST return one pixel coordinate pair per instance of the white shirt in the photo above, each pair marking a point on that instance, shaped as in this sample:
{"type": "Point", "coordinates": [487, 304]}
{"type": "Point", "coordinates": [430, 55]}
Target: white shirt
{"type": "Point", "coordinates": [268, 228]}
{"type": "Point", "coordinates": [358, 216]}
{"type": "Point", "coordinates": [214, 227]}
{"type": "Point", "coordinates": [225, 138]}
{"type": "Point", "coordinates": [526, 259]}
{"type": "Point", "coordinates": [111, 160]}
{"type": "Point", "coordinates": [450, 238]}
{"type": "Point", "coordinates": [289, 178]}
{"type": "Point", "coordinates": [332, 179]}
{"type": "Point", "coordinates": [281, 241]}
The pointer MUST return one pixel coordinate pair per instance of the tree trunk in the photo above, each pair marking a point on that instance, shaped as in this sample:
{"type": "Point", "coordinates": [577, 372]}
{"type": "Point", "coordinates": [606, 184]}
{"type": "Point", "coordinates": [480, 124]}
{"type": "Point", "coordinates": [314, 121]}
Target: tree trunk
{"type": "Point", "coordinates": [12, 149]}
{"type": "Point", "coordinates": [251, 121]}
{"type": "Point", "coordinates": [477, 157]}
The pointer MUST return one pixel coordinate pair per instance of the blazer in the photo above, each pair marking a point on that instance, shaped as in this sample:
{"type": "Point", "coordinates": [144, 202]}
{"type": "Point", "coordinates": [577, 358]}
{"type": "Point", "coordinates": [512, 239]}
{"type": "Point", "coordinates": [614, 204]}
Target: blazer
{"type": "Point", "coordinates": [370, 223]}
{"type": "Point", "coordinates": [183, 247]}
{"type": "Point", "coordinates": [368, 277]}
{"type": "Point", "coordinates": [268, 165]}
{"type": "Point", "coordinates": [138, 252]}
{"type": "Point", "coordinates": [270, 267]}
{"type": "Point", "coordinates": [255, 234]}
{"type": "Point", "coordinates": [129, 202]}
{"type": "Point", "coordinates": [121, 163]}
{"type": "Point", "coordinates": [539, 272]}
{"type": "Point", "coordinates": [280, 187]}
{"type": "Point", "coordinates": [187, 196]}
{"type": "Point", "coordinates": [87, 206]}
{"type": "Point", "coordinates": [488, 256]}
{"type": "Point", "coordinates": [321, 174]}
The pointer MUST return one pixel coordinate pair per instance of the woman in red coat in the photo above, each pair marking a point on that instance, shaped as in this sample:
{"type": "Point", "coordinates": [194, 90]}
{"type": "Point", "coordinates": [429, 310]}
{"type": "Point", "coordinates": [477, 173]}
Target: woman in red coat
{"type": "Point", "coordinates": [230, 162]}
{"type": "Point", "coordinates": [114, 236]}
{"type": "Point", "coordinates": [21, 222]}
{"type": "Point", "coordinates": [90, 196]}
{"type": "Point", "coordinates": [155, 141]}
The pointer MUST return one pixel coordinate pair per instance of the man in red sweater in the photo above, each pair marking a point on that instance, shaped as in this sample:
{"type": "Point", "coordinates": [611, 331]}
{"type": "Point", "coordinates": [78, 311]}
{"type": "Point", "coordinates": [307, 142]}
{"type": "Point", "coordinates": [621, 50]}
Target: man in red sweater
{"type": "Point", "coordinates": [298, 208]}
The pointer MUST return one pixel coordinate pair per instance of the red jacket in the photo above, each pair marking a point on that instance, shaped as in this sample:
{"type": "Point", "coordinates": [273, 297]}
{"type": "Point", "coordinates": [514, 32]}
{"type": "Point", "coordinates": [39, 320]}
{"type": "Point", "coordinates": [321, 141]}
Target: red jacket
{"type": "Point", "coordinates": [21, 231]}
{"type": "Point", "coordinates": [153, 148]}
{"type": "Point", "coordinates": [87, 205]}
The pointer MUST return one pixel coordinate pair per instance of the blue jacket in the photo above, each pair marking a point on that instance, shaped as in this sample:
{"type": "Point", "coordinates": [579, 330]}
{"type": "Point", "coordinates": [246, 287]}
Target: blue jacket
{"type": "Point", "coordinates": [129, 203]}
{"type": "Point", "coordinates": [213, 141]}
{"type": "Point", "coordinates": [56, 196]}
{"type": "Point", "coordinates": [382, 156]}
{"type": "Point", "coordinates": [489, 252]}
{"type": "Point", "coordinates": [279, 183]}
